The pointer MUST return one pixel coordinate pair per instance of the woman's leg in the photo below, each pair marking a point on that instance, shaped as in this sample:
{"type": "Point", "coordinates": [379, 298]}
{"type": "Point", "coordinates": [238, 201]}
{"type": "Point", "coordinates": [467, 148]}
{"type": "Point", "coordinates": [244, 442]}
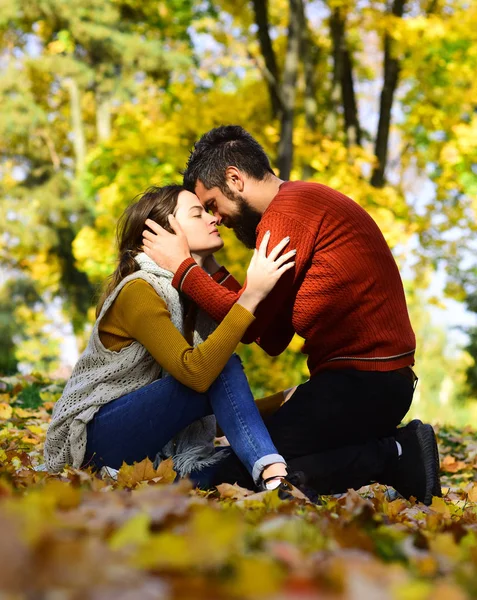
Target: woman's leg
{"type": "Point", "coordinates": [238, 416]}
{"type": "Point", "coordinates": [139, 424]}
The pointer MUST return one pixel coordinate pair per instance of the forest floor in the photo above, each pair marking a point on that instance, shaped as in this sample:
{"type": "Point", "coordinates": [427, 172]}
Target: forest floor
{"type": "Point", "coordinates": [76, 536]}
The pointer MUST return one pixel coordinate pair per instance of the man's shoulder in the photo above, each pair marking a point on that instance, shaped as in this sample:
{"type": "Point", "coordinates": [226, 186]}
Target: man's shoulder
{"type": "Point", "coordinates": [309, 188]}
{"type": "Point", "coordinates": [305, 200]}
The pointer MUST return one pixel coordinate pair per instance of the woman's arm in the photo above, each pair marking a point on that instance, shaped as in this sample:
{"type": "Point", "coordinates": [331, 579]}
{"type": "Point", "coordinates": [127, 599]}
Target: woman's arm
{"type": "Point", "coordinates": [145, 317]}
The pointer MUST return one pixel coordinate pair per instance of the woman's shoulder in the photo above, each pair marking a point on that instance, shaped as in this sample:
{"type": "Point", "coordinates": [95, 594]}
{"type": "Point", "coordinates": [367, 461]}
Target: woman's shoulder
{"type": "Point", "coordinates": [138, 289]}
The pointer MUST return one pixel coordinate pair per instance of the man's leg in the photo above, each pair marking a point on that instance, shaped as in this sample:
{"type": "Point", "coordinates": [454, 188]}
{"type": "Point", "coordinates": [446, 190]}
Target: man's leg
{"type": "Point", "coordinates": [340, 428]}
{"type": "Point", "coordinates": [330, 429]}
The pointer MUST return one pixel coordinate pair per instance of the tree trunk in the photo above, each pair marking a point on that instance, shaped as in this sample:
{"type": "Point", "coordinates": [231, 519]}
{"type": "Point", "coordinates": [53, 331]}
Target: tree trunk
{"type": "Point", "coordinates": [309, 56]}
{"type": "Point", "coordinates": [288, 91]}
{"type": "Point", "coordinates": [342, 90]}
{"type": "Point", "coordinates": [391, 75]}
{"type": "Point", "coordinates": [260, 8]}
{"type": "Point", "coordinates": [79, 140]}
{"type": "Point", "coordinates": [103, 118]}
{"type": "Point", "coordinates": [350, 104]}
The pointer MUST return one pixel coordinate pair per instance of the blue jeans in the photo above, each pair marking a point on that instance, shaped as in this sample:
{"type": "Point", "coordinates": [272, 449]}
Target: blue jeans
{"type": "Point", "coordinates": [139, 424]}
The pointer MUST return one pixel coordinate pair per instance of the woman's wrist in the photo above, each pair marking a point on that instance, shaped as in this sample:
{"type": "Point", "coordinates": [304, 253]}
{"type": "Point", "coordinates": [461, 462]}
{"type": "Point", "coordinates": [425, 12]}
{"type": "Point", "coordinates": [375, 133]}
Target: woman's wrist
{"type": "Point", "coordinates": [250, 300]}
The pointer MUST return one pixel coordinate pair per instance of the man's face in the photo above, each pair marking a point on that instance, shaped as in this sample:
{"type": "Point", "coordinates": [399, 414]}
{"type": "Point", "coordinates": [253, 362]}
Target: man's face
{"type": "Point", "coordinates": [232, 210]}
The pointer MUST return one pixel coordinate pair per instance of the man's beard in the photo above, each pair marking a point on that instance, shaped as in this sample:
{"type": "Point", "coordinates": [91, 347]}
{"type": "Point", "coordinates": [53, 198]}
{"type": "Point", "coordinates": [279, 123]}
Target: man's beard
{"type": "Point", "coordinates": [245, 222]}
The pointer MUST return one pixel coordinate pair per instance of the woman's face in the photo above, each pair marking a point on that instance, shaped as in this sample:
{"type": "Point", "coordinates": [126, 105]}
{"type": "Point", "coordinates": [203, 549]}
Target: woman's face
{"type": "Point", "coordinates": [199, 227]}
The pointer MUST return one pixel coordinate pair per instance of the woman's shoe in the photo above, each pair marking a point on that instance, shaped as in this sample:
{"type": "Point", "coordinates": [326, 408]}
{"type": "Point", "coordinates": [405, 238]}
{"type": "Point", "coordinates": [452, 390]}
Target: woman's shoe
{"type": "Point", "coordinates": [285, 485]}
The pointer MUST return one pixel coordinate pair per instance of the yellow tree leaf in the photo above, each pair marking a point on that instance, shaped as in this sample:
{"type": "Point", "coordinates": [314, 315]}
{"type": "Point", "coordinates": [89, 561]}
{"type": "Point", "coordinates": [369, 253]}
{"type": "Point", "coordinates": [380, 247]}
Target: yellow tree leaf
{"type": "Point", "coordinates": [6, 411]}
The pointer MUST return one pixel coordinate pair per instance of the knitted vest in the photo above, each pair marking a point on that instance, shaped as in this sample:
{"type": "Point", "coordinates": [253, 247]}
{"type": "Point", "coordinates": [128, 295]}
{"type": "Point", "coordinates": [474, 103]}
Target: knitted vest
{"type": "Point", "coordinates": [101, 375]}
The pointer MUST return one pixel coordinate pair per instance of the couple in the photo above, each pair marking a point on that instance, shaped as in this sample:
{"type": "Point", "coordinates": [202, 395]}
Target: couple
{"type": "Point", "coordinates": [159, 370]}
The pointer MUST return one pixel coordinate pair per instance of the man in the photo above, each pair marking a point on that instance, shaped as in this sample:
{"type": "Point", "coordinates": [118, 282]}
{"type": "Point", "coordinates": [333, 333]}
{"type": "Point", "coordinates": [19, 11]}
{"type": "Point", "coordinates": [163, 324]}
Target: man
{"type": "Point", "coordinates": [344, 297]}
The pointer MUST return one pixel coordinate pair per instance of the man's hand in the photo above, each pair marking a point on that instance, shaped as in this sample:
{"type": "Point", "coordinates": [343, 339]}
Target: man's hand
{"type": "Point", "coordinates": [168, 250]}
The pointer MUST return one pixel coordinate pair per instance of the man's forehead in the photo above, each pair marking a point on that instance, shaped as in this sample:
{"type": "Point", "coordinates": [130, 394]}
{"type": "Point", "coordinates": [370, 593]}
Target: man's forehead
{"type": "Point", "coordinates": [202, 192]}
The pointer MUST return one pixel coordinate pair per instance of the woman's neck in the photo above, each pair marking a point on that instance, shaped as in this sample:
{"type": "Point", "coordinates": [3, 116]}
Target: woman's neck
{"type": "Point", "coordinates": [199, 259]}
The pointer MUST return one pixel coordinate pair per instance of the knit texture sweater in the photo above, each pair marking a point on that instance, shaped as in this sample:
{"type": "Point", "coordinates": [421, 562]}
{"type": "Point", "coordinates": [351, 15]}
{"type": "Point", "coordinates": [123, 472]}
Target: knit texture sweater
{"type": "Point", "coordinates": [102, 375]}
{"type": "Point", "coordinates": [344, 296]}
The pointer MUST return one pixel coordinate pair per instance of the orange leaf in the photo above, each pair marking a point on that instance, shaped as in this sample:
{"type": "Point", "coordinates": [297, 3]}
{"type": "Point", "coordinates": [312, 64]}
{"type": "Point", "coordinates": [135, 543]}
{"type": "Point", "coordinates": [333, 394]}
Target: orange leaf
{"type": "Point", "coordinates": [130, 475]}
{"type": "Point", "coordinates": [451, 465]}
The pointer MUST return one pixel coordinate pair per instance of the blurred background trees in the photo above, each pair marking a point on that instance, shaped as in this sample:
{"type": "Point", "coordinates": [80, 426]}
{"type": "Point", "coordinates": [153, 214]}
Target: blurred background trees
{"type": "Point", "coordinates": [101, 99]}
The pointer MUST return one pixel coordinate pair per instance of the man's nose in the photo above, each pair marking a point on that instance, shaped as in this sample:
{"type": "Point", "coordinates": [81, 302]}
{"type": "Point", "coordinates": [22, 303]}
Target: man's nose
{"type": "Point", "coordinates": [217, 218]}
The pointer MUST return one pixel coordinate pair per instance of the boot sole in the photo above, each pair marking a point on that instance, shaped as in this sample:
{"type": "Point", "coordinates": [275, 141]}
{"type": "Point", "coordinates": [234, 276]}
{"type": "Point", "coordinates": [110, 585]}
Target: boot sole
{"type": "Point", "coordinates": [427, 441]}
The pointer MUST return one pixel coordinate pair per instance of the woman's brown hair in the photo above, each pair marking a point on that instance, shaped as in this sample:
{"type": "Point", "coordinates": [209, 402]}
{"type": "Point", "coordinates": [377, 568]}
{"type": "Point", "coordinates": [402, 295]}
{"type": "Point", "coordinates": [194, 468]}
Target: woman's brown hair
{"type": "Point", "coordinates": [156, 203]}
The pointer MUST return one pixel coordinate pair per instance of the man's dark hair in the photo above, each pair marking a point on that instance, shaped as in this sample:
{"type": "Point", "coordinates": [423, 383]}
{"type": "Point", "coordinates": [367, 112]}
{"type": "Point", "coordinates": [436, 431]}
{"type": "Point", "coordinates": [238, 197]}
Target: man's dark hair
{"type": "Point", "coordinates": [222, 147]}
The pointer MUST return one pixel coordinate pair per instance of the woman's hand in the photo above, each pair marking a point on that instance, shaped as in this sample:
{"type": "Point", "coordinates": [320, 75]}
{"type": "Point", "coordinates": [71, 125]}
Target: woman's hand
{"type": "Point", "coordinates": [264, 272]}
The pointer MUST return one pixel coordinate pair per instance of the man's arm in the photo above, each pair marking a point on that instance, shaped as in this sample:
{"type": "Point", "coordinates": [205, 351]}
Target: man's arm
{"type": "Point", "coordinates": [226, 280]}
{"type": "Point", "coordinates": [277, 336]}
{"type": "Point", "coordinates": [217, 301]}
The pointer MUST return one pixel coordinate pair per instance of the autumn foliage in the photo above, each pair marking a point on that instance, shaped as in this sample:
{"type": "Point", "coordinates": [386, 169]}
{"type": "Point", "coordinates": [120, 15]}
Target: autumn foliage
{"type": "Point", "coordinates": [141, 536]}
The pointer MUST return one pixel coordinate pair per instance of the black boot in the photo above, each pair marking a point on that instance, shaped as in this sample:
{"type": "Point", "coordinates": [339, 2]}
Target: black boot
{"type": "Point", "coordinates": [416, 471]}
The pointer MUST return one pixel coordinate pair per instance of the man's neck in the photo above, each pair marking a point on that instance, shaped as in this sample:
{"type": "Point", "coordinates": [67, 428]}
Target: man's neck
{"type": "Point", "coordinates": [265, 191]}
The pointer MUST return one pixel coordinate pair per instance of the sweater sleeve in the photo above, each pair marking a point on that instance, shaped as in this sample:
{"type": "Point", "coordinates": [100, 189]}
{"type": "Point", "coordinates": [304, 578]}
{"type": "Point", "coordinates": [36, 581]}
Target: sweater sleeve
{"type": "Point", "coordinates": [226, 280]}
{"type": "Point", "coordinates": [217, 301]}
{"type": "Point", "coordinates": [145, 317]}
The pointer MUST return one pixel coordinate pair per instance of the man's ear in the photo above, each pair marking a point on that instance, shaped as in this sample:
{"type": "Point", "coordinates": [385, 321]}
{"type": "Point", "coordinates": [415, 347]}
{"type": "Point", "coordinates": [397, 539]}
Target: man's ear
{"type": "Point", "coordinates": [235, 179]}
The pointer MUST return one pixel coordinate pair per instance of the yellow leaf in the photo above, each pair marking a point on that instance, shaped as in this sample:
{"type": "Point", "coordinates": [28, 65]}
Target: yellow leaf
{"type": "Point", "coordinates": [63, 495]}
{"type": "Point", "coordinates": [26, 439]}
{"type": "Point", "coordinates": [216, 530]}
{"type": "Point", "coordinates": [165, 471]}
{"type": "Point", "coordinates": [35, 429]}
{"type": "Point", "coordinates": [256, 577]}
{"type": "Point", "coordinates": [167, 550]}
{"type": "Point", "coordinates": [6, 411]}
{"type": "Point", "coordinates": [135, 531]}
{"type": "Point", "coordinates": [23, 414]}
{"type": "Point", "coordinates": [130, 475]}
{"type": "Point", "coordinates": [395, 507]}
{"type": "Point", "coordinates": [472, 493]}
{"type": "Point", "coordinates": [439, 505]}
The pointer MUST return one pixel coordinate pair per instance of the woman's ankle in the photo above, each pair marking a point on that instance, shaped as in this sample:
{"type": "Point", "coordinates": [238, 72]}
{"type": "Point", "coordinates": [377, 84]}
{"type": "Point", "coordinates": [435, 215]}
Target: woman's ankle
{"type": "Point", "coordinates": [278, 470]}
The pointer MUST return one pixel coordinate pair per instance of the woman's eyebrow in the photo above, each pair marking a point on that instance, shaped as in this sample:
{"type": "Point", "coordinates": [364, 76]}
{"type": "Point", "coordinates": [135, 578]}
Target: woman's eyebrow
{"type": "Point", "coordinates": [197, 207]}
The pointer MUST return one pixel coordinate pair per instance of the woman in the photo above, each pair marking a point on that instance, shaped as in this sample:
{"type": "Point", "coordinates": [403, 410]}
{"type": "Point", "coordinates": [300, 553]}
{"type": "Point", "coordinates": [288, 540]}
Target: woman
{"type": "Point", "coordinates": [157, 372]}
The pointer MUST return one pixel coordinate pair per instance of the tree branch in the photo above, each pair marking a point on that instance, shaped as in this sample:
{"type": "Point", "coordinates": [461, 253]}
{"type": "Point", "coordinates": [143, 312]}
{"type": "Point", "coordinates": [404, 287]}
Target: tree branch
{"type": "Point", "coordinates": [391, 75]}
{"type": "Point", "coordinates": [268, 78]}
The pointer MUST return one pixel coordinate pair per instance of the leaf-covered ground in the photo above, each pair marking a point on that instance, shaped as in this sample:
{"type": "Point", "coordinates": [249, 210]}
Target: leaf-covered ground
{"type": "Point", "coordinates": [79, 536]}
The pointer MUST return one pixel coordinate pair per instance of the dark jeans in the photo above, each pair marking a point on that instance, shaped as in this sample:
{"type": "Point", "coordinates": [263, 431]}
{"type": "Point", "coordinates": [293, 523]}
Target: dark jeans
{"type": "Point", "coordinates": [338, 428]}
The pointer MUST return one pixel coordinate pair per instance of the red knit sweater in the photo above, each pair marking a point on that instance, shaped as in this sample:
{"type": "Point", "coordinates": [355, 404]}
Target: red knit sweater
{"type": "Point", "coordinates": [344, 296]}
